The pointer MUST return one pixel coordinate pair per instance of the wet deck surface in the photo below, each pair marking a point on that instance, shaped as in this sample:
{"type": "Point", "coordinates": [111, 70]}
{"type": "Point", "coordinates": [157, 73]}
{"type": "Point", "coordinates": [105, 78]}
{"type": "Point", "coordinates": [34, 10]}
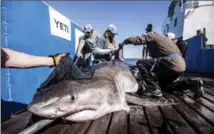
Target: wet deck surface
{"type": "Point", "coordinates": [190, 116]}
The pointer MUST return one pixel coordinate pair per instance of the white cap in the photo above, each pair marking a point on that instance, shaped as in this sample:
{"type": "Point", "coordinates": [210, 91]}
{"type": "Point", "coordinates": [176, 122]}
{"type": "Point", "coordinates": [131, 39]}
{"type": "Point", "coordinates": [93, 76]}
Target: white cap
{"type": "Point", "coordinates": [112, 28]}
{"type": "Point", "coordinates": [171, 36]}
{"type": "Point", "coordinates": [87, 28]}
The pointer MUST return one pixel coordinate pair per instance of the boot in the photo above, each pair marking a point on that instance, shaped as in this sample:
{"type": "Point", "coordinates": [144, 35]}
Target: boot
{"type": "Point", "coordinates": [197, 89]}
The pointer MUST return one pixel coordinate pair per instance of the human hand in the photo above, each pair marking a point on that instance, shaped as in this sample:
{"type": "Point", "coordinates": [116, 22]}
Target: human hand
{"type": "Point", "coordinates": [79, 55]}
{"type": "Point", "coordinates": [58, 57]}
{"type": "Point", "coordinates": [121, 45]}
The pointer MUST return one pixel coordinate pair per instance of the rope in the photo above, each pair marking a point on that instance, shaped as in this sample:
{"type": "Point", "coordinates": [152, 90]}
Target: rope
{"type": "Point", "coordinates": [8, 74]}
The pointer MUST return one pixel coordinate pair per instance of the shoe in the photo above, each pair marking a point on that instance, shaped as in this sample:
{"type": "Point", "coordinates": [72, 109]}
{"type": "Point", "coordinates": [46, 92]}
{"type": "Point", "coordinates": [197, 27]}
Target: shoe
{"type": "Point", "coordinates": [156, 93]}
{"type": "Point", "coordinates": [198, 90]}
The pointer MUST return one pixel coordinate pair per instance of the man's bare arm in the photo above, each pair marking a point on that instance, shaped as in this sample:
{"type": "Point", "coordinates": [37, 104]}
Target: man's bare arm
{"type": "Point", "coordinates": [80, 47]}
{"type": "Point", "coordinates": [15, 59]}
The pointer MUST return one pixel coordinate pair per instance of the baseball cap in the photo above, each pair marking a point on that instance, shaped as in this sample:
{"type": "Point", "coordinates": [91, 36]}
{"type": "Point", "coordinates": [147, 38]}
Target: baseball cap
{"type": "Point", "coordinates": [112, 28]}
{"type": "Point", "coordinates": [149, 25]}
{"type": "Point", "coordinates": [87, 28]}
{"type": "Point", "coordinates": [171, 36]}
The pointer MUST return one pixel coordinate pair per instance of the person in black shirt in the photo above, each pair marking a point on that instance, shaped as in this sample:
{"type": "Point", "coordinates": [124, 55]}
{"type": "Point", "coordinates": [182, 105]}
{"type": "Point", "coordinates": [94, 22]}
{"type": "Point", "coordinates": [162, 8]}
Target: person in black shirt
{"type": "Point", "coordinates": [182, 45]}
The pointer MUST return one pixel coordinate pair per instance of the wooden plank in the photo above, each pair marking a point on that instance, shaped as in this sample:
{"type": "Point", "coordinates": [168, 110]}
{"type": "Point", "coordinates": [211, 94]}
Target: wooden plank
{"type": "Point", "coordinates": [138, 122]}
{"type": "Point", "coordinates": [203, 102]}
{"type": "Point", "coordinates": [78, 128]}
{"type": "Point", "coordinates": [209, 87]}
{"type": "Point", "coordinates": [177, 123]}
{"type": "Point", "coordinates": [200, 109]}
{"type": "Point", "coordinates": [119, 123]}
{"type": "Point", "coordinates": [195, 120]}
{"type": "Point", "coordinates": [209, 91]}
{"type": "Point", "coordinates": [56, 128]}
{"type": "Point", "coordinates": [209, 97]}
{"type": "Point", "coordinates": [16, 123]}
{"type": "Point", "coordinates": [165, 128]}
{"type": "Point", "coordinates": [208, 83]}
{"type": "Point", "coordinates": [155, 118]}
{"type": "Point", "coordinates": [100, 125]}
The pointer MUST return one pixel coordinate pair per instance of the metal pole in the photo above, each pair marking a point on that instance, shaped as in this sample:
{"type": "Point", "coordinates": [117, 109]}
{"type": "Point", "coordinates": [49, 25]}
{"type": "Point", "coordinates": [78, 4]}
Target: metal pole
{"type": "Point", "coordinates": [76, 61]}
{"type": "Point", "coordinates": [182, 6]}
{"type": "Point", "coordinates": [204, 35]}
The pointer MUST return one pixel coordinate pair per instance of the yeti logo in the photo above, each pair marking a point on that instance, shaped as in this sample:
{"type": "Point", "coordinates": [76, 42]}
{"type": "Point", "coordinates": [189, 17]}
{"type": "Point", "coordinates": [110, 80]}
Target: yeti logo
{"type": "Point", "coordinates": [60, 26]}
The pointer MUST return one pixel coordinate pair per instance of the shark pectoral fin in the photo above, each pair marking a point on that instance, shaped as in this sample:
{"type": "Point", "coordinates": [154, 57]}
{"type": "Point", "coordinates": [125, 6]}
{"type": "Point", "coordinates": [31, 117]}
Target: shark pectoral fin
{"type": "Point", "coordinates": [148, 101]}
{"type": "Point", "coordinates": [126, 108]}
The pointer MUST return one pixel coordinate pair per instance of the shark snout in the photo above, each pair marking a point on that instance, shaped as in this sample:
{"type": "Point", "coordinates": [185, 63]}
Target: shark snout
{"type": "Point", "coordinates": [52, 112]}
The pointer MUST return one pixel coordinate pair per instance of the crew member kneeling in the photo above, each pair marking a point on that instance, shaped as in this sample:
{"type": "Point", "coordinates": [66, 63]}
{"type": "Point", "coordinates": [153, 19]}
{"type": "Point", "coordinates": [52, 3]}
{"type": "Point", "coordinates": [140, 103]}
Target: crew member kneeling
{"type": "Point", "coordinates": [167, 64]}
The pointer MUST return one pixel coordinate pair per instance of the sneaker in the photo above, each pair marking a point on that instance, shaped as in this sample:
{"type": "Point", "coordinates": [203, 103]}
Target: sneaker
{"type": "Point", "coordinates": [156, 93]}
{"type": "Point", "coordinates": [198, 90]}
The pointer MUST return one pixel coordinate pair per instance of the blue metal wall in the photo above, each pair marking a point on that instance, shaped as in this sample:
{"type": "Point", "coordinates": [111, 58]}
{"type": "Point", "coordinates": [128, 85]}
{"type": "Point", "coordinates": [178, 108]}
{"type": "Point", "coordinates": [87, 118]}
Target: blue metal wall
{"type": "Point", "coordinates": [28, 28]}
{"type": "Point", "coordinates": [199, 60]}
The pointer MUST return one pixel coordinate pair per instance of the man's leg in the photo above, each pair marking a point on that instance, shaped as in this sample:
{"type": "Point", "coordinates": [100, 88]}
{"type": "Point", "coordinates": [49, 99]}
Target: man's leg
{"type": "Point", "coordinates": [171, 81]}
{"type": "Point", "coordinates": [87, 59]}
{"type": "Point", "coordinates": [153, 88]}
{"type": "Point", "coordinates": [144, 52]}
{"type": "Point", "coordinates": [147, 52]}
{"type": "Point", "coordinates": [193, 84]}
{"type": "Point", "coordinates": [167, 78]}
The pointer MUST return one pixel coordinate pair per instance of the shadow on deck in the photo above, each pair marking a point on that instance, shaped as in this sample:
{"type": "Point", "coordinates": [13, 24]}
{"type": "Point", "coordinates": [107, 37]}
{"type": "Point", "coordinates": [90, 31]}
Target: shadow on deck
{"type": "Point", "coordinates": [190, 116]}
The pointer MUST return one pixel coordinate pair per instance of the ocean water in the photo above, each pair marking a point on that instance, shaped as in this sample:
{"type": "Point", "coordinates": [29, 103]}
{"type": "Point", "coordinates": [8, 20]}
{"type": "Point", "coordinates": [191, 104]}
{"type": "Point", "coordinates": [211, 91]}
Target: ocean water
{"type": "Point", "coordinates": [131, 61]}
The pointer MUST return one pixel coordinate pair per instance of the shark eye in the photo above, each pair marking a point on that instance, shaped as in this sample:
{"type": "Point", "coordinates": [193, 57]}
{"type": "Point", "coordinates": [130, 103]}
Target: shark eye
{"type": "Point", "coordinates": [72, 98]}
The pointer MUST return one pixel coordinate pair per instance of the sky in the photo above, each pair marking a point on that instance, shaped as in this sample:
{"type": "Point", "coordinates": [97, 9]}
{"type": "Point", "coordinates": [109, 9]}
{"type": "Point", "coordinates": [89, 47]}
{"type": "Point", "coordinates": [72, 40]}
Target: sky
{"type": "Point", "coordinates": [130, 17]}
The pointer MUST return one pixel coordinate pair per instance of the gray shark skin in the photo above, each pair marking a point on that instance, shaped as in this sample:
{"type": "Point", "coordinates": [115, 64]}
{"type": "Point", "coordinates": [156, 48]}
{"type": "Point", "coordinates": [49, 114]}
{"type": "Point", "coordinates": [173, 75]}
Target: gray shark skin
{"type": "Point", "coordinates": [88, 99]}
{"type": "Point", "coordinates": [83, 100]}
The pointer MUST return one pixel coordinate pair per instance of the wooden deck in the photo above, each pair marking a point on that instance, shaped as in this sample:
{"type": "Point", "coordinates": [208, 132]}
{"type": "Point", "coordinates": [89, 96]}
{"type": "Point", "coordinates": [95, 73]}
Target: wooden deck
{"type": "Point", "coordinates": [190, 116]}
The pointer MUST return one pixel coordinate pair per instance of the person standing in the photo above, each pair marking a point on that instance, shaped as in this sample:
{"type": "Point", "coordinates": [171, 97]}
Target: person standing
{"type": "Point", "coordinates": [89, 45]}
{"type": "Point", "coordinates": [107, 41]}
{"type": "Point", "coordinates": [145, 49]}
{"type": "Point", "coordinates": [182, 45]}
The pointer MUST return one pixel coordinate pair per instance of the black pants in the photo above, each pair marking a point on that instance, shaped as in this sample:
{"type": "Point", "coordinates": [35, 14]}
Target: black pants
{"type": "Point", "coordinates": [144, 67]}
{"type": "Point", "coordinates": [83, 62]}
{"type": "Point", "coordinates": [174, 82]}
{"type": "Point", "coordinates": [165, 78]}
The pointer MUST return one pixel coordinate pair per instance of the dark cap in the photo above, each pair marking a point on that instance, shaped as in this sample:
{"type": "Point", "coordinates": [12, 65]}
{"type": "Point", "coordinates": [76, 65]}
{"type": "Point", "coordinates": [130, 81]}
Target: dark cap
{"type": "Point", "coordinates": [149, 28]}
{"type": "Point", "coordinates": [149, 25]}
